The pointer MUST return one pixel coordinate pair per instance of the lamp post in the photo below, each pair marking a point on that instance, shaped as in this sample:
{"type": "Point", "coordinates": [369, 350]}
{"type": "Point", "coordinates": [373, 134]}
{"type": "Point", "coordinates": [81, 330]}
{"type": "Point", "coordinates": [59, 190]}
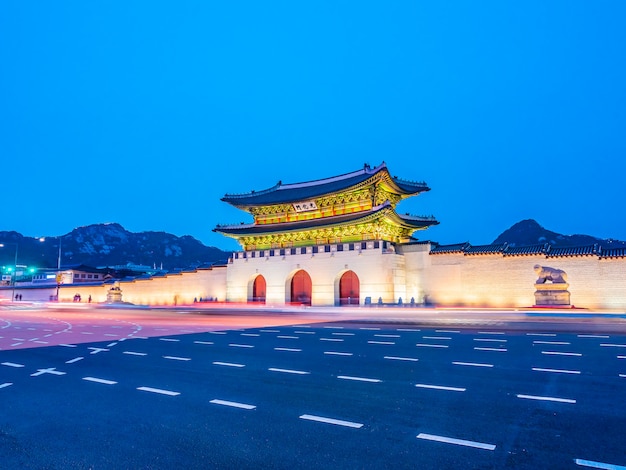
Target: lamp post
{"type": "Point", "coordinates": [14, 277]}
{"type": "Point", "coordinates": [58, 275]}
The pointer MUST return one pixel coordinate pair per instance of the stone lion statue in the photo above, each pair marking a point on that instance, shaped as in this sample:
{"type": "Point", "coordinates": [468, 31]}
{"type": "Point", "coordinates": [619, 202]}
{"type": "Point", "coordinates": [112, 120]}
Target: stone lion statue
{"type": "Point", "coordinates": [545, 273]}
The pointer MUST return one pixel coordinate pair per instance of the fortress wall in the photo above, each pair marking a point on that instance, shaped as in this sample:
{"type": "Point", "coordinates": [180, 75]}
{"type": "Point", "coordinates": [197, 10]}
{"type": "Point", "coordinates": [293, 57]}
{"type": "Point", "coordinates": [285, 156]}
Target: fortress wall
{"type": "Point", "coordinates": [495, 280]}
{"type": "Point", "coordinates": [381, 275]}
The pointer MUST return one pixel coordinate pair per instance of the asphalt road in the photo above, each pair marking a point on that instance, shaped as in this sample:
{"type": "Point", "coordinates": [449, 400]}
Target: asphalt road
{"type": "Point", "coordinates": [333, 395]}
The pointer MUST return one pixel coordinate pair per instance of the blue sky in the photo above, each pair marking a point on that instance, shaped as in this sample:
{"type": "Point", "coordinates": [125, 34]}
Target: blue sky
{"type": "Point", "coordinates": [146, 113]}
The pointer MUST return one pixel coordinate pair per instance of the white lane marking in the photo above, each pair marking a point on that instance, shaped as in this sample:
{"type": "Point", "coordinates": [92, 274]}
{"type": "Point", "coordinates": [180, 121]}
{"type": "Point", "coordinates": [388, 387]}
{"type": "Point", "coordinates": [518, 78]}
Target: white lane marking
{"type": "Point", "coordinates": [233, 404]}
{"type": "Point", "coordinates": [334, 327]}
{"type": "Point", "coordinates": [343, 334]}
{"type": "Point", "coordinates": [559, 371]}
{"type": "Point", "coordinates": [594, 464]}
{"type": "Point", "coordinates": [535, 397]}
{"type": "Point", "coordinates": [305, 332]}
{"type": "Point", "coordinates": [110, 334]}
{"type": "Point", "coordinates": [407, 329]}
{"type": "Point", "coordinates": [12, 364]}
{"type": "Point", "coordinates": [491, 340]}
{"type": "Point", "coordinates": [472, 364]}
{"type": "Point", "coordinates": [423, 345]}
{"type": "Point", "coordinates": [218, 332]}
{"type": "Point", "coordinates": [621, 357]}
{"type": "Point", "coordinates": [16, 344]}
{"type": "Point", "coordinates": [436, 337]}
{"type": "Point", "coordinates": [97, 350]}
{"type": "Point", "coordinates": [204, 342]}
{"type": "Point", "coordinates": [250, 334]}
{"type": "Point", "coordinates": [76, 359]}
{"type": "Point", "coordinates": [235, 345]}
{"type": "Point", "coordinates": [50, 370]}
{"type": "Point", "coordinates": [83, 333]}
{"type": "Point", "coordinates": [387, 336]}
{"type": "Point", "coordinates": [159, 391]}
{"type": "Point", "coordinates": [397, 358]}
{"type": "Point", "coordinates": [100, 381]}
{"type": "Point", "coordinates": [441, 387]}
{"type": "Point", "coordinates": [176, 358]}
{"type": "Point", "coordinates": [287, 337]}
{"type": "Point", "coordinates": [331, 339]}
{"type": "Point", "coordinates": [369, 328]}
{"type": "Point", "coordinates": [68, 345]}
{"type": "Point", "coordinates": [289, 371]}
{"type": "Point", "coordinates": [540, 334]}
{"type": "Point", "coordinates": [622, 375]}
{"type": "Point", "coordinates": [381, 342]}
{"type": "Point", "coordinates": [594, 336]}
{"type": "Point", "coordinates": [358, 379]}
{"type": "Point", "coordinates": [551, 342]}
{"type": "Point", "coordinates": [491, 349]}
{"type": "Point", "coordinates": [228, 364]}
{"type": "Point", "coordinates": [613, 345]}
{"type": "Point", "coordinates": [558, 353]}
{"type": "Point", "coordinates": [459, 442]}
{"type": "Point", "coordinates": [133, 353]}
{"type": "Point", "coordinates": [447, 331]}
{"type": "Point", "coordinates": [337, 422]}
{"type": "Point", "coordinates": [6, 384]}
{"type": "Point", "coordinates": [267, 331]}
{"type": "Point", "coordinates": [337, 353]}
{"type": "Point", "coordinates": [288, 349]}
{"type": "Point", "coordinates": [172, 340]}
{"type": "Point", "coordinates": [491, 333]}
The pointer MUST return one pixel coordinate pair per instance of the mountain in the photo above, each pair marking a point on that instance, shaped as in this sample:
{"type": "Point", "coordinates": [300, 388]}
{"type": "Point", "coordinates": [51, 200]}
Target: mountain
{"type": "Point", "coordinates": [109, 245]}
{"type": "Point", "coordinates": [529, 232]}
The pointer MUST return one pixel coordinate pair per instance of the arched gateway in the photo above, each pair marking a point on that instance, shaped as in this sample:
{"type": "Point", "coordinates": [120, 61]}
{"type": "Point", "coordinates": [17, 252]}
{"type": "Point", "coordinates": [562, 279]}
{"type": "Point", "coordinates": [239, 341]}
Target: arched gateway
{"type": "Point", "coordinates": [301, 288]}
{"type": "Point", "coordinates": [258, 289]}
{"type": "Point", "coordinates": [349, 289]}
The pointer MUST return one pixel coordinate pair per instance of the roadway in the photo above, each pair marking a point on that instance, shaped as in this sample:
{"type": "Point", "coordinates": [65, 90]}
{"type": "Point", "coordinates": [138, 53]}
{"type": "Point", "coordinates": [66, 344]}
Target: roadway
{"type": "Point", "coordinates": [282, 391]}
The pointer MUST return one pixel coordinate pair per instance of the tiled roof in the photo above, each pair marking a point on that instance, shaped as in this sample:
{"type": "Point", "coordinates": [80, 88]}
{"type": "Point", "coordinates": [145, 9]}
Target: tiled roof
{"type": "Point", "coordinates": [613, 252]}
{"type": "Point", "coordinates": [527, 250]}
{"type": "Point", "coordinates": [252, 229]}
{"type": "Point", "coordinates": [446, 249]}
{"type": "Point", "coordinates": [485, 249]}
{"type": "Point", "coordinates": [287, 193]}
{"type": "Point", "coordinates": [573, 251]}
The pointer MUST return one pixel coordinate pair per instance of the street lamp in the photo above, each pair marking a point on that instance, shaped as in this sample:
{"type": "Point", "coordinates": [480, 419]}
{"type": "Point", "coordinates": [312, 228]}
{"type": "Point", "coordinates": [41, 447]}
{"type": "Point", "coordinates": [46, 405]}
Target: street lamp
{"type": "Point", "coordinates": [58, 276]}
{"type": "Point", "coordinates": [14, 277]}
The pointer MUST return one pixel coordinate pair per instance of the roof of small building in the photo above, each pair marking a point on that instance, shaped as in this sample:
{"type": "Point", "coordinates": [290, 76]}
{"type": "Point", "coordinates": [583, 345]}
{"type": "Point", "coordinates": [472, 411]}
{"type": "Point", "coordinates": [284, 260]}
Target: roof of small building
{"type": "Point", "coordinates": [485, 249]}
{"type": "Point", "coordinates": [447, 249]}
{"type": "Point", "coordinates": [573, 251]}
{"type": "Point", "coordinates": [385, 209]}
{"type": "Point", "coordinates": [527, 250]}
{"type": "Point", "coordinates": [613, 253]}
{"type": "Point", "coordinates": [288, 193]}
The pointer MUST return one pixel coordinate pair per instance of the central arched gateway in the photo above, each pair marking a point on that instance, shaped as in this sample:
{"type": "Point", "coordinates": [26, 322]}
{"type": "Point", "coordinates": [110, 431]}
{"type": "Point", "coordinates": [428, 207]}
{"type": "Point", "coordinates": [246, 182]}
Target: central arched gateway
{"type": "Point", "coordinates": [301, 288]}
{"type": "Point", "coordinates": [259, 287]}
{"type": "Point", "coordinates": [349, 289]}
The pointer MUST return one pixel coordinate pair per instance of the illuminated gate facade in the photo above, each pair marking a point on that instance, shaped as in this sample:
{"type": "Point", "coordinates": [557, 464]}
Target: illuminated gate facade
{"type": "Point", "coordinates": [349, 289]}
{"type": "Point", "coordinates": [301, 288]}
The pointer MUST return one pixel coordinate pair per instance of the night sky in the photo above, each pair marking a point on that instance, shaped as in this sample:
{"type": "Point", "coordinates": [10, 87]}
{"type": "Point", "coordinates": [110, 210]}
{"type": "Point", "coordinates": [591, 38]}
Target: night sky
{"type": "Point", "coordinates": [146, 113]}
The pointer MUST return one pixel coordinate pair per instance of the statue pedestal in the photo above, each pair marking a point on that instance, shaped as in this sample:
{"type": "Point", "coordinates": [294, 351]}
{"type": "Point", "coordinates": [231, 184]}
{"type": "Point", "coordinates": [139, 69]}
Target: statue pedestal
{"type": "Point", "coordinates": [552, 294]}
{"type": "Point", "coordinates": [114, 295]}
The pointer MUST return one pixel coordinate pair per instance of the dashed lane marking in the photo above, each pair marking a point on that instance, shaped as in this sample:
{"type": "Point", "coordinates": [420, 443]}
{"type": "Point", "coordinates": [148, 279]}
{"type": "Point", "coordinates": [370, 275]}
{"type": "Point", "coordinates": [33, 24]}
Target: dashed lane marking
{"type": "Point", "coordinates": [97, 350]}
{"type": "Point", "coordinates": [343, 334]}
{"type": "Point", "coordinates": [250, 334]}
{"type": "Point", "coordinates": [491, 349]}
{"type": "Point", "coordinates": [337, 353]}
{"type": "Point", "coordinates": [358, 379]}
{"type": "Point", "coordinates": [397, 358]}
{"type": "Point", "coordinates": [471, 364]}
{"type": "Point", "coordinates": [172, 340]}
{"type": "Point", "coordinates": [491, 340]}
{"type": "Point", "coordinates": [558, 353]}
{"type": "Point", "coordinates": [621, 357]}
{"type": "Point", "coordinates": [159, 391]}
{"type": "Point", "coordinates": [594, 464]}
{"type": "Point", "coordinates": [336, 422]}
{"type": "Point", "coordinates": [267, 331]}
{"type": "Point", "coordinates": [558, 371]}
{"type": "Point", "coordinates": [133, 353]}
{"type": "Point", "coordinates": [228, 364]}
{"type": "Point", "coordinates": [540, 334]}
{"type": "Point", "coordinates": [304, 332]}
{"type": "Point", "coordinates": [441, 387]}
{"type": "Point", "coordinates": [424, 345]}
{"type": "Point", "coordinates": [233, 404]}
{"type": "Point", "coordinates": [331, 339]}
{"type": "Point", "coordinates": [622, 375]}
{"type": "Point", "coordinates": [436, 337]}
{"type": "Point", "coordinates": [387, 336]}
{"type": "Point", "coordinates": [407, 329]}
{"type": "Point", "coordinates": [552, 342]}
{"type": "Point", "coordinates": [110, 345]}
{"type": "Point", "coordinates": [100, 381]}
{"type": "Point", "coordinates": [50, 370]}
{"type": "Point", "coordinates": [287, 337]}
{"type": "Point", "coordinates": [288, 349]}
{"type": "Point", "coordinates": [334, 327]}
{"type": "Point", "coordinates": [491, 333]}
{"type": "Point", "coordinates": [289, 371]}
{"type": "Point", "coordinates": [204, 342]}
{"type": "Point", "coordinates": [540, 398]}
{"type": "Point", "coordinates": [12, 364]}
{"type": "Point", "coordinates": [76, 359]}
{"type": "Point", "coordinates": [594, 336]}
{"type": "Point", "coordinates": [16, 344]}
{"type": "Point", "coordinates": [447, 331]}
{"type": "Point", "coordinates": [6, 384]}
{"type": "Point", "coordinates": [380, 342]}
{"type": "Point", "coordinates": [176, 358]}
{"type": "Point", "coordinates": [613, 345]}
{"type": "Point", "coordinates": [459, 442]}
{"type": "Point", "coordinates": [236, 345]}
{"type": "Point", "coordinates": [68, 345]}
{"type": "Point", "coordinates": [369, 328]}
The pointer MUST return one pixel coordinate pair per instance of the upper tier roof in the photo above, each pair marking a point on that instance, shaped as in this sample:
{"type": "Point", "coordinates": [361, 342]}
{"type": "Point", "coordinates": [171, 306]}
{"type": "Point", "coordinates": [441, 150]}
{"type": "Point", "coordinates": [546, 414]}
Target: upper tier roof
{"type": "Point", "coordinates": [287, 193]}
